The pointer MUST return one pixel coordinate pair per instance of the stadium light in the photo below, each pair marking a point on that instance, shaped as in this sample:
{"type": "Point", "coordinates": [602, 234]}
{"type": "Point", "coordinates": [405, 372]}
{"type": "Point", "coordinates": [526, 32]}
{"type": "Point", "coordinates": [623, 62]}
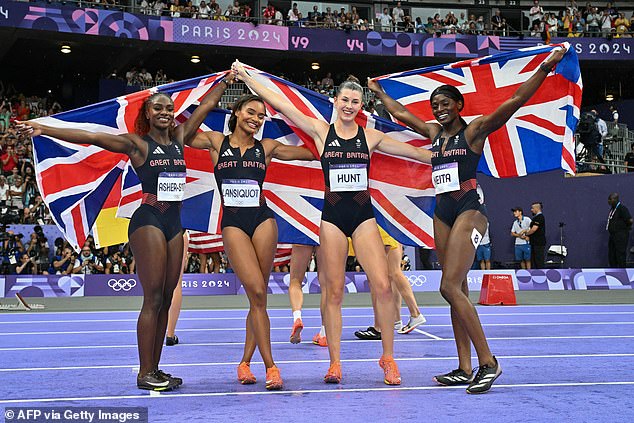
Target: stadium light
{"type": "Point", "coordinates": [195, 59]}
{"type": "Point", "coordinates": [609, 97]}
{"type": "Point", "coordinates": [65, 49]}
{"type": "Point", "coordinates": [314, 66]}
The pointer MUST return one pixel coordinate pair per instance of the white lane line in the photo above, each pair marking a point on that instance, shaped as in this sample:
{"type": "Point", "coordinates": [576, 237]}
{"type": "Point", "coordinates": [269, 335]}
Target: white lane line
{"type": "Point", "coordinates": [304, 317]}
{"type": "Point", "coordinates": [338, 390]}
{"type": "Point", "coordinates": [288, 328]}
{"type": "Point", "coordinates": [354, 341]}
{"type": "Point", "coordinates": [220, 310]}
{"type": "Point", "coordinates": [438, 338]}
{"type": "Point", "coordinates": [355, 360]}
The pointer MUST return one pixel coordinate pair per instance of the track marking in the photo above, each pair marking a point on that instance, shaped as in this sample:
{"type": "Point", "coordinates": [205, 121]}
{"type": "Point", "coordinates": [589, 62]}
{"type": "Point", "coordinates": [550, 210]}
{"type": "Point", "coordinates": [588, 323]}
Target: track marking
{"type": "Point", "coordinates": [438, 338]}
{"type": "Point", "coordinates": [355, 341]}
{"type": "Point", "coordinates": [356, 360]}
{"type": "Point", "coordinates": [172, 395]}
{"type": "Point", "coordinates": [288, 328]}
{"type": "Point", "coordinates": [304, 317]}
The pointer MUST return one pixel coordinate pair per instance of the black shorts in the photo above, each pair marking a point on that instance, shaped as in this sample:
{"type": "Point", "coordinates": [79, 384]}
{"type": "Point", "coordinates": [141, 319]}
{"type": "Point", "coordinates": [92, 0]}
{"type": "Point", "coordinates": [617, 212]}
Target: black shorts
{"type": "Point", "coordinates": [347, 210]}
{"type": "Point", "coordinates": [449, 206]}
{"type": "Point", "coordinates": [246, 218]}
{"type": "Point", "coordinates": [167, 219]}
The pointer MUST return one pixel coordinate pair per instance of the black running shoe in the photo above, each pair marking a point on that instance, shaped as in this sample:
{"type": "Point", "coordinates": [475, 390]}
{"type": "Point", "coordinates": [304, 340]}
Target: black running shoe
{"type": "Point", "coordinates": [169, 340]}
{"type": "Point", "coordinates": [154, 382]}
{"type": "Point", "coordinates": [484, 378]}
{"type": "Point", "coordinates": [168, 376]}
{"type": "Point", "coordinates": [369, 333]}
{"type": "Point", "coordinates": [454, 377]}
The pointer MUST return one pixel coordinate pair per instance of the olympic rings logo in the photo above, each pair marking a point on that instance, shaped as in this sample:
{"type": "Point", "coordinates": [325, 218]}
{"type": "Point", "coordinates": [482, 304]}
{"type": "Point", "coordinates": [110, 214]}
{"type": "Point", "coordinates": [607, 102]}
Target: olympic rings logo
{"type": "Point", "coordinates": [417, 280]}
{"type": "Point", "coordinates": [122, 284]}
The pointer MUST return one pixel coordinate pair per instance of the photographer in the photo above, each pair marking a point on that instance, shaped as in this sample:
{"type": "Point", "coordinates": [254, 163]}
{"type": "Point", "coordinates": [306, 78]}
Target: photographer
{"type": "Point", "coordinates": [87, 263]}
{"type": "Point", "coordinates": [36, 211]}
{"type": "Point", "coordinates": [12, 249]}
{"type": "Point", "coordinates": [27, 266]}
{"type": "Point", "coordinates": [63, 263]}
{"type": "Point", "coordinates": [116, 264]}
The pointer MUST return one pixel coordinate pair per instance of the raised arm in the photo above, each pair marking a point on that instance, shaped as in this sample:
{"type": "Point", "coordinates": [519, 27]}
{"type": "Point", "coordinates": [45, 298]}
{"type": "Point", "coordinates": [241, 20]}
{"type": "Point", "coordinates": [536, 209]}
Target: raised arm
{"type": "Point", "coordinates": [125, 143]}
{"type": "Point", "coordinates": [315, 128]}
{"type": "Point", "coordinates": [399, 111]}
{"type": "Point", "coordinates": [480, 128]}
{"type": "Point", "coordinates": [289, 152]}
{"type": "Point", "coordinates": [389, 145]}
{"type": "Point", "coordinates": [210, 102]}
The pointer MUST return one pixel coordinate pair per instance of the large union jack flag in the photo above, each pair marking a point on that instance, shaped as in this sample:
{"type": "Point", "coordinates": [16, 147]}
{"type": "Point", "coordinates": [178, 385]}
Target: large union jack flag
{"type": "Point", "coordinates": [538, 137]}
{"type": "Point", "coordinates": [77, 180]}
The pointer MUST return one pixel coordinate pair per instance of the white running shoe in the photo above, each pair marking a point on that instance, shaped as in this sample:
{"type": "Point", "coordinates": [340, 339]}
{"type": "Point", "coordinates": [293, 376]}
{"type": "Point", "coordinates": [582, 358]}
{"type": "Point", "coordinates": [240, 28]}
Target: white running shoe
{"type": "Point", "coordinates": [398, 325]}
{"type": "Point", "coordinates": [413, 323]}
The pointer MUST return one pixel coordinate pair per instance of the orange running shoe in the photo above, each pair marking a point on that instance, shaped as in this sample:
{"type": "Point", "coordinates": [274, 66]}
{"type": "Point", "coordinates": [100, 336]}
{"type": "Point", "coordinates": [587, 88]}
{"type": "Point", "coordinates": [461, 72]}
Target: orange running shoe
{"type": "Point", "coordinates": [296, 333]}
{"type": "Point", "coordinates": [244, 374]}
{"type": "Point", "coordinates": [392, 375]}
{"type": "Point", "coordinates": [320, 340]}
{"type": "Point", "coordinates": [334, 373]}
{"type": "Point", "coordinates": [273, 379]}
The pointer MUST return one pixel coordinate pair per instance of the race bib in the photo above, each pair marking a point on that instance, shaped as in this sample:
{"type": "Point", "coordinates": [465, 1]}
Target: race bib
{"type": "Point", "coordinates": [445, 178]}
{"type": "Point", "coordinates": [348, 177]}
{"type": "Point", "coordinates": [240, 193]}
{"type": "Point", "coordinates": [171, 186]}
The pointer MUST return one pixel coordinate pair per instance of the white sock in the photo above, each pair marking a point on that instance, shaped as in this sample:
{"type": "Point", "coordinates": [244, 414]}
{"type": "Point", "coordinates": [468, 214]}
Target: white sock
{"type": "Point", "coordinates": [322, 331]}
{"type": "Point", "coordinates": [297, 314]}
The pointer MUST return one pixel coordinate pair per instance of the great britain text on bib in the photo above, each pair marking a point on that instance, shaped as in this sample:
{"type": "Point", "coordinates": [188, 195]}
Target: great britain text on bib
{"type": "Point", "coordinates": [171, 186]}
{"type": "Point", "coordinates": [348, 177]}
{"type": "Point", "coordinates": [445, 178]}
{"type": "Point", "coordinates": [240, 193]}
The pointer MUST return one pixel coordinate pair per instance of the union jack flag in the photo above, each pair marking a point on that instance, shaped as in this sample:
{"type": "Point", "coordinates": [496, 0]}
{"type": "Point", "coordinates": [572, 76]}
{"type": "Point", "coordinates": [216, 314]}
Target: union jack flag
{"type": "Point", "coordinates": [538, 137]}
{"type": "Point", "coordinates": [76, 180]}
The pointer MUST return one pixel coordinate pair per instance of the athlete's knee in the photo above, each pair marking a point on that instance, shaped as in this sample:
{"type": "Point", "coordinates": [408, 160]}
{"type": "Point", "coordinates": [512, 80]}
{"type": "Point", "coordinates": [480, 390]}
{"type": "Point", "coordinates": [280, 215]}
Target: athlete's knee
{"type": "Point", "coordinates": [335, 295]}
{"type": "Point", "coordinates": [450, 291]}
{"type": "Point", "coordinates": [382, 289]}
{"type": "Point", "coordinates": [257, 296]}
{"type": "Point", "coordinates": [153, 302]}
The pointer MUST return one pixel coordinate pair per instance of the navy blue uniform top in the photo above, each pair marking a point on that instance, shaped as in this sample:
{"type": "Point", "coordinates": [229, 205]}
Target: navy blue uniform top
{"type": "Point", "coordinates": [232, 165]}
{"type": "Point", "coordinates": [457, 151]}
{"type": "Point", "coordinates": [339, 151]}
{"type": "Point", "coordinates": [160, 158]}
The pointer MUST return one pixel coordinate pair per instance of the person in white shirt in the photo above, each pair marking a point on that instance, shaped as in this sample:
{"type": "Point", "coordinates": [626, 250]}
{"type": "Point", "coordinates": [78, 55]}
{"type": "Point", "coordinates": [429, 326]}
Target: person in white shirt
{"type": "Point", "coordinates": [397, 17]}
{"type": "Point", "coordinates": [602, 127]}
{"type": "Point", "coordinates": [521, 225]}
{"type": "Point", "coordinates": [385, 21]}
{"type": "Point", "coordinates": [605, 22]}
{"type": "Point", "coordinates": [4, 189]}
{"type": "Point", "coordinates": [204, 10]}
{"type": "Point", "coordinates": [536, 13]}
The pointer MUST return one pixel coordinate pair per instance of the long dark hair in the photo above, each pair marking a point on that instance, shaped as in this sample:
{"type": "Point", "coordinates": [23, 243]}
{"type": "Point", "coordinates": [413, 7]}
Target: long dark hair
{"type": "Point", "coordinates": [141, 123]}
{"type": "Point", "coordinates": [246, 98]}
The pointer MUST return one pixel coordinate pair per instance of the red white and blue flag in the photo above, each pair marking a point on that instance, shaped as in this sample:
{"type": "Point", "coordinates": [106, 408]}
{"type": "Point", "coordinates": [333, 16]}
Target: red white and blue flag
{"type": "Point", "coordinates": [76, 180]}
{"type": "Point", "coordinates": [539, 136]}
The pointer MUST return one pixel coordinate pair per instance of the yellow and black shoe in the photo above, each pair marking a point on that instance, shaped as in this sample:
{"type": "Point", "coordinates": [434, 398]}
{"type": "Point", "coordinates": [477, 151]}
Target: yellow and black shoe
{"type": "Point", "coordinates": [154, 382]}
{"type": "Point", "coordinates": [168, 376]}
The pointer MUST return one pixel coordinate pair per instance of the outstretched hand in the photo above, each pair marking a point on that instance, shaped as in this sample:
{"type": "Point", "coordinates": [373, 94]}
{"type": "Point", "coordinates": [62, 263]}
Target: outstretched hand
{"type": "Point", "coordinates": [239, 71]}
{"type": "Point", "coordinates": [28, 128]}
{"type": "Point", "coordinates": [558, 54]}
{"type": "Point", "coordinates": [374, 86]}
